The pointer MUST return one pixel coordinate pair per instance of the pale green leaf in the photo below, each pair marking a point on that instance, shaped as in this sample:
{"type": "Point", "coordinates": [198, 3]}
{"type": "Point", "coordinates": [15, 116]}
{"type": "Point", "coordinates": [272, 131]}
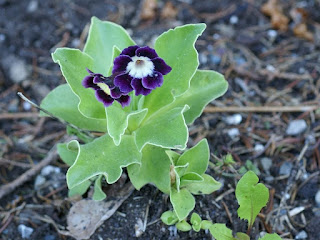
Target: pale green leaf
{"type": "Point", "coordinates": [102, 156]}
{"type": "Point", "coordinates": [206, 224]}
{"type": "Point", "coordinates": [102, 37]}
{"type": "Point", "coordinates": [272, 236]}
{"type": "Point", "coordinates": [167, 130]}
{"type": "Point", "coordinates": [220, 232]}
{"type": "Point", "coordinates": [252, 197]}
{"type": "Point", "coordinates": [79, 189]}
{"type": "Point", "coordinates": [197, 157]}
{"type": "Point", "coordinates": [183, 202]}
{"type": "Point", "coordinates": [169, 218]}
{"type": "Point", "coordinates": [118, 120]}
{"type": "Point", "coordinates": [207, 186]}
{"type": "Point", "coordinates": [98, 193]}
{"type": "Point", "coordinates": [73, 64]}
{"type": "Point", "coordinates": [205, 86]}
{"type": "Point", "coordinates": [63, 103]}
{"type": "Point", "coordinates": [183, 226]}
{"type": "Point", "coordinates": [176, 47]}
{"type": "Point", "coordinates": [67, 155]}
{"type": "Point", "coordinates": [173, 156]}
{"type": "Point", "coordinates": [179, 172]}
{"type": "Point", "coordinates": [196, 222]}
{"type": "Point", "coordinates": [189, 178]}
{"type": "Point", "coordinates": [242, 236]}
{"type": "Point", "coordinates": [154, 168]}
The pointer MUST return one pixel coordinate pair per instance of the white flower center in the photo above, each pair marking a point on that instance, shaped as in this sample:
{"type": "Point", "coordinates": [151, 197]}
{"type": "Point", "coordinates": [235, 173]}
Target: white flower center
{"type": "Point", "coordinates": [140, 67]}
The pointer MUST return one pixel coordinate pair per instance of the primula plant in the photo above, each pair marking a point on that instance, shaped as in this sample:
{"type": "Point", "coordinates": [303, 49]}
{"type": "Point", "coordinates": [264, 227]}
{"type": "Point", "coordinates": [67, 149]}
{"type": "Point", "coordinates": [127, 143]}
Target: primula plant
{"type": "Point", "coordinates": [129, 106]}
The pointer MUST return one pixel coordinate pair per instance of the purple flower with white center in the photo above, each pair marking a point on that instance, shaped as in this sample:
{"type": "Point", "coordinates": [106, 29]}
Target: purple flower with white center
{"type": "Point", "coordinates": [140, 69]}
{"type": "Point", "coordinates": [106, 91]}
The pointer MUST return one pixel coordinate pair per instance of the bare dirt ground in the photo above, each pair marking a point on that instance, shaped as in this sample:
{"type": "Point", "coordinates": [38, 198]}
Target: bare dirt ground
{"type": "Point", "coordinates": [274, 80]}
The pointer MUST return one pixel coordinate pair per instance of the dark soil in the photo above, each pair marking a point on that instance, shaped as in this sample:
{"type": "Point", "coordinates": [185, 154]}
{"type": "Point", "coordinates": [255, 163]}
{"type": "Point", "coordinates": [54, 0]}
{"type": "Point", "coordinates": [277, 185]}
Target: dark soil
{"type": "Point", "coordinates": [263, 68]}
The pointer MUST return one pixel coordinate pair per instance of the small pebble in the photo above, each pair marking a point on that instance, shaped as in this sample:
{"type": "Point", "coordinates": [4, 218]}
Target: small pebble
{"type": "Point", "coordinates": [40, 180]}
{"type": "Point", "coordinates": [266, 164]}
{"type": "Point", "coordinates": [26, 106]}
{"type": "Point", "coordinates": [285, 168]}
{"type": "Point", "coordinates": [233, 133]}
{"type": "Point", "coordinates": [234, 119]}
{"type": "Point", "coordinates": [302, 235]}
{"type": "Point", "coordinates": [317, 198]}
{"type": "Point", "coordinates": [216, 36]}
{"type": "Point", "coordinates": [18, 70]}
{"type": "Point", "coordinates": [25, 231]}
{"type": "Point", "coordinates": [203, 58]}
{"type": "Point", "coordinates": [269, 179]}
{"type": "Point", "coordinates": [272, 34]}
{"type": "Point", "coordinates": [296, 127]}
{"type": "Point", "coordinates": [33, 6]}
{"type": "Point", "coordinates": [258, 148]}
{"type": "Point", "coordinates": [215, 59]}
{"type": "Point", "coordinates": [271, 68]}
{"type": "Point", "coordinates": [234, 19]}
{"type": "Point", "coordinates": [49, 237]}
{"type": "Point", "coordinates": [2, 37]}
{"type": "Point", "coordinates": [47, 170]}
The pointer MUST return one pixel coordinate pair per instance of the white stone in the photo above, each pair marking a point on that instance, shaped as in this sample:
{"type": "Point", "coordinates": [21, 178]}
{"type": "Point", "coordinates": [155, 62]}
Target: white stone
{"type": "Point", "coordinates": [40, 180]}
{"type": "Point", "coordinates": [233, 133]}
{"type": "Point", "coordinates": [26, 106]}
{"type": "Point", "coordinates": [234, 19]}
{"type": "Point", "coordinates": [296, 127]}
{"type": "Point", "coordinates": [33, 6]}
{"type": "Point", "coordinates": [302, 235]}
{"type": "Point", "coordinates": [272, 34]}
{"type": "Point", "coordinates": [317, 198]}
{"type": "Point", "coordinates": [25, 231]}
{"type": "Point", "coordinates": [266, 163]}
{"type": "Point", "coordinates": [258, 148]}
{"type": "Point", "coordinates": [18, 70]}
{"type": "Point", "coordinates": [47, 170]}
{"type": "Point", "coordinates": [234, 119]}
{"type": "Point", "coordinates": [271, 68]}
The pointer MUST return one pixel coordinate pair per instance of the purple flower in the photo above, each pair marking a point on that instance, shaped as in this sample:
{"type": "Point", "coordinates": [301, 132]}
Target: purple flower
{"type": "Point", "coordinates": [140, 69]}
{"type": "Point", "coordinates": [106, 91]}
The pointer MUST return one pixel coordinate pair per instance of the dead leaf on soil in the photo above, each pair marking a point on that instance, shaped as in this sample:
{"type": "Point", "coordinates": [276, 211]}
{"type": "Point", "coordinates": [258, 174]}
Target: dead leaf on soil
{"type": "Point", "coordinates": [148, 9]}
{"type": "Point", "coordinates": [87, 215]}
{"type": "Point", "coordinates": [274, 10]}
{"type": "Point", "coordinates": [300, 29]}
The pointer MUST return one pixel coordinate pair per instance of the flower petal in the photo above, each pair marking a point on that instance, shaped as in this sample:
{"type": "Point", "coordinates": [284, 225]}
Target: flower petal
{"type": "Point", "coordinates": [124, 100]}
{"type": "Point", "coordinates": [87, 82]}
{"type": "Point", "coordinates": [89, 71]}
{"type": "Point", "coordinates": [120, 64]}
{"type": "Point", "coordinates": [115, 93]}
{"type": "Point", "coordinates": [139, 89]}
{"type": "Point", "coordinates": [130, 51]}
{"type": "Point", "coordinates": [146, 52]}
{"type": "Point", "coordinates": [152, 82]}
{"type": "Point", "coordinates": [161, 66]}
{"type": "Point", "coordinates": [106, 99]}
{"type": "Point", "coordinates": [123, 81]}
{"type": "Point", "coordinates": [98, 78]}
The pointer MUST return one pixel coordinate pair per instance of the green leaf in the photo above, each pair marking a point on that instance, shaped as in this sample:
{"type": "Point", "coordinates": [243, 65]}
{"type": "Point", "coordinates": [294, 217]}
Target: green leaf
{"type": "Point", "coordinates": [176, 47]}
{"type": "Point", "coordinates": [269, 236]}
{"type": "Point", "coordinates": [190, 178]}
{"type": "Point", "coordinates": [102, 37]}
{"type": "Point", "coordinates": [183, 202]}
{"type": "Point", "coordinates": [98, 193]}
{"type": "Point", "coordinates": [220, 232]}
{"type": "Point", "coordinates": [197, 158]}
{"type": "Point", "coordinates": [73, 64]}
{"type": "Point", "coordinates": [154, 168]}
{"type": "Point", "coordinates": [79, 134]}
{"type": "Point", "coordinates": [207, 186]}
{"type": "Point", "coordinates": [196, 222]}
{"type": "Point", "coordinates": [103, 157]}
{"type": "Point", "coordinates": [173, 156]}
{"type": "Point", "coordinates": [63, 103]}
{"type": "Point", "coordinates": [206, 224]}
{"type": "Point", "coordinates": [242, 236]}
{"type": "Point", "coordinates": [67, 155]}
{"type": "Point", "coordinates": [252, 197]}
{"type": "Point", "coordinates": [169, 218]}
{"type": "Point", "coordinates": [179, 171]}
{"type": "Point", "coordinates": [167, 130]}
{"type": "Point", "coordinates": [183, 226]}
{"type": "Point", "coordinates": [79, 189]}
{"type": "Point", "coordinates": [118, 120]}
{"type": "Point", "coordinates": [205, 86]}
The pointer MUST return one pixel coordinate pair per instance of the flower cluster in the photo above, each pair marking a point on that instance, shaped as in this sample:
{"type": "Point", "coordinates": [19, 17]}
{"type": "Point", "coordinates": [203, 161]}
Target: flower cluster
{"type": "Point", "coordinates": [136, 68]}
